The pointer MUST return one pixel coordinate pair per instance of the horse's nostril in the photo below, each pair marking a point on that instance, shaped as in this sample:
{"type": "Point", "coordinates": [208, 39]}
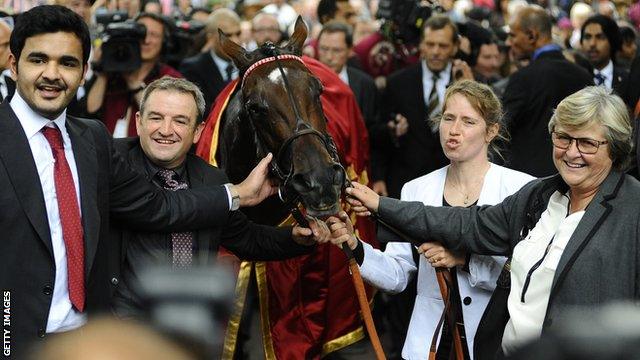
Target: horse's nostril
{"type": "Point", "coordinates": [301, 183]}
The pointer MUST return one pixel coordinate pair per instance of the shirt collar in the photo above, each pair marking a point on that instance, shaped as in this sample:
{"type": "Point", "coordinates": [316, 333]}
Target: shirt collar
{"type": "Point", "coordinates": [607, 71]}
{"type": "Point", "coordinates": [546, 48]}
{"type": "Point", "coordinates": [153, 169]}
{"type": "Point", "coordinates": [220, 62]}
{"type": "Point", "coordinates": [444, 75]}
{"type": "Point", "coordinates": [32, 122]}
{"type": "Point", "coordinates": [344, 76]}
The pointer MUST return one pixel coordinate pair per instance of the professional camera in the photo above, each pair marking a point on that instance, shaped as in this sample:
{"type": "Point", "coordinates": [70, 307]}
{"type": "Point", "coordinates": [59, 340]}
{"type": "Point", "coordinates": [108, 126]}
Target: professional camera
{"type": "Point", "coordinates": [181, 41]}
{"type": "Point", "coordinates": [120, 44]}
{"type": "Point", "coordinates": [405, 17]}
{"type": "Point", "coordinates": [191, 306]}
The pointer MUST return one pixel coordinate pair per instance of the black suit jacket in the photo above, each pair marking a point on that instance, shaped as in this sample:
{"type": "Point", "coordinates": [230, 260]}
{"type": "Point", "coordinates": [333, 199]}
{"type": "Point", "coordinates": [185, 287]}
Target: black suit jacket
{"type": "Point", "coordinates": [202, 71]}
{"type": "Point", "coordinates": [418, 152]}
{"type": "Point", "coordinates": [140, 248]}
{"type": "Point", "coordinates": [368, 98]}
{"type": "Point", "coordinates": [108, 188]}
{"type": "Point", "coordinates": [620, 75]}
{"type": "Point", "coordinates": [529, 99]}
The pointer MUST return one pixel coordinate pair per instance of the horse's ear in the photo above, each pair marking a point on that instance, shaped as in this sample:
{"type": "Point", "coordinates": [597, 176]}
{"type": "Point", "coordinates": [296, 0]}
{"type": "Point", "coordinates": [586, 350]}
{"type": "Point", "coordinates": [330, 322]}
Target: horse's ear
{"type": "Point", "coordinates": [296, 42]}
{"type": "Point", "coordinates": [235, 52]}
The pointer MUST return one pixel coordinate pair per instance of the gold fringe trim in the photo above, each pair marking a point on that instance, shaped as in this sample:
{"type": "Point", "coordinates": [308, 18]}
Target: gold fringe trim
{"type": "Point", "coordinates": [261, 279]}
{"type": "Point", "coordinates": [216, 129]}
{"type": "Point", "coordinates": [231, 335]}
{"type": "Point", "coordinates": [342, 341]}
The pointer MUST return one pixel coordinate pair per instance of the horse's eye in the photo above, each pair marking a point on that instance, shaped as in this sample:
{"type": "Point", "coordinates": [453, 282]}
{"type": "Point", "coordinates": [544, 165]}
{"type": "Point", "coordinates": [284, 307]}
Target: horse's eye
{"type": "Point", "coordinates": [256, 110]}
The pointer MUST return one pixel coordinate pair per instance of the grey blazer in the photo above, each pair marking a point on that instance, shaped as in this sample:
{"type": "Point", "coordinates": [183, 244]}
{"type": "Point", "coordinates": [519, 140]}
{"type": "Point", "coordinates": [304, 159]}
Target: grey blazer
{"type": "Point", "coordinates": [600, 264]}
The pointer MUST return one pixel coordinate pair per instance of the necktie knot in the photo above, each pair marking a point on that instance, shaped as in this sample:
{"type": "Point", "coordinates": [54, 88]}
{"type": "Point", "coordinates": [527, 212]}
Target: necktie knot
{"type": "Point", "coordinates": [54, 137]}
{"type": "Point", "coordinates": [229, 71]}
{"type": "Point", "coordinates": [170, 181]}
{"type": "Point", "coordinates": [599, 78]}
{"type": "Point", "coordinates": [435, 76]}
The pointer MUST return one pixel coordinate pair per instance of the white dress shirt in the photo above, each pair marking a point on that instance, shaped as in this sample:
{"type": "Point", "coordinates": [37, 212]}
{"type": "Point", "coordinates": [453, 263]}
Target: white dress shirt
{"type": "Point", "coordinates": [607, 72]}
{"type": "Point", "coordinates": [4, 90]}
{"type": "Point", "coordinates": [62, 316]}
{"type": "Point", "coordinates": [343, 75]}
{"type": "Point", "coordinates": [546, 241]}
{"type": "Point", "coordinates": [441, 85]}
{"type": "Point", "coordinates": [222, 67]}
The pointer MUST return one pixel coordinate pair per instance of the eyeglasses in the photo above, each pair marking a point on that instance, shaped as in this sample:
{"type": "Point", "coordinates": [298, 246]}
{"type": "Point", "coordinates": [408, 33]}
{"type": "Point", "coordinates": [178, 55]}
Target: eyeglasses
{"type": "Point", "coordinates": [585, 145]}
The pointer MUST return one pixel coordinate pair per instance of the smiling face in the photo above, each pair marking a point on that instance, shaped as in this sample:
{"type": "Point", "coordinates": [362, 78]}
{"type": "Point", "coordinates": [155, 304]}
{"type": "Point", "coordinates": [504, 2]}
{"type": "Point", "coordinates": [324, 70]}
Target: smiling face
{"type": "Point", "coordinates": [168, 128]}
{"type": "Point", "coordinates": [583, 172]}
{"type": "Point", "coordinates": [464, 135]}
{"type": "Point", "coordinates": [49, 72]}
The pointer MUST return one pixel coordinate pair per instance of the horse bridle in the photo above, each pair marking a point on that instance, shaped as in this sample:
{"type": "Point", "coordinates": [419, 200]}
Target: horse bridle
{"type": "Point", "coordinates": [301, 128]}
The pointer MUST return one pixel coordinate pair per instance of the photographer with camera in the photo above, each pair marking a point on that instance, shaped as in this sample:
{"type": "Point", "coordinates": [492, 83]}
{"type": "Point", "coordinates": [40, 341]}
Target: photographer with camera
{"type": "Point", "coordinates": [114, 94]}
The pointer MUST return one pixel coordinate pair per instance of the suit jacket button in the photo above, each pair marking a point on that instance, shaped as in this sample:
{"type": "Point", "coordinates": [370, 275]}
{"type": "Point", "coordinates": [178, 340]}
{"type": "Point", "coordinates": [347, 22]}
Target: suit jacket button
{"type": "Point", "coordinates": [466, 300]}
{"type": "Point", "coordinates": [47, 290]}
{"type": "Point", "coordinates": [114, 281]}
{"type": "Point", "coordinates": [41, 333]}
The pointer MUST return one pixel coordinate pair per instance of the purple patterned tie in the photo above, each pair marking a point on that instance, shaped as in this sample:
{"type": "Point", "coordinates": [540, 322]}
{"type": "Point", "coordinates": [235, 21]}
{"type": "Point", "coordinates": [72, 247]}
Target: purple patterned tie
{"type": "Point", "coordinates": [182, 242]}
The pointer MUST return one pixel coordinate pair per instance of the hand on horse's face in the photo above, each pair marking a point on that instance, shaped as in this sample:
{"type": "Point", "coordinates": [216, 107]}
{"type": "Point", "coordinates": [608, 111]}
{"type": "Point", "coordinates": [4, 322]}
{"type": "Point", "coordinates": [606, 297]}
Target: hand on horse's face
{"type": "Point", "coordinates": [317, 232]}
{"type": "Point", "coordinates": [257, 186]}
{"type": "Point", "coordinates": [362, 199]}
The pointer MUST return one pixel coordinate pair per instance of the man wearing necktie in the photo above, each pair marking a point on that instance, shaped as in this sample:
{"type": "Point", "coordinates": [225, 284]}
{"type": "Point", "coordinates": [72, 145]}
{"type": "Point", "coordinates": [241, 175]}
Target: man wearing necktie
{"type": "Point", "coordinates": [63, 183]}
{"type": "Point", "coordinates": [212, 70]}
{"type": "Point", "coordinates": [600, 40]}
{"type": "Point", "coordinates": [169, 123]}
{"type": "Point", "coordinates": [411, 97]}
{"type": "Point", "coordinates": [7, 85]}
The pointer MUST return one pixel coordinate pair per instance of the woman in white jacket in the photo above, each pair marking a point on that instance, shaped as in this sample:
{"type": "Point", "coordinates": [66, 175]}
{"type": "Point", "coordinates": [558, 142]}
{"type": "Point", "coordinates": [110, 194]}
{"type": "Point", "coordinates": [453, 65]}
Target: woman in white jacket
{"type": "Point", "coordinates": [469, 125]}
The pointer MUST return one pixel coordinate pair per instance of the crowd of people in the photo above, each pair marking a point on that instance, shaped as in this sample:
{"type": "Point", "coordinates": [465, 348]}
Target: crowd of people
{"type": "Point", "coordinates": [498, 136]}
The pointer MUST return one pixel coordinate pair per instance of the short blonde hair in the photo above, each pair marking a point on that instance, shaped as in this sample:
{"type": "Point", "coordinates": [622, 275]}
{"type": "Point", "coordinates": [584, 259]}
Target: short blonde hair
{"type": "Point", "coordinates": [218, 16]}
{"type": "Point", "coordinates": [598, 105]}
{"type": "Point", "coordinates": [485, 102]}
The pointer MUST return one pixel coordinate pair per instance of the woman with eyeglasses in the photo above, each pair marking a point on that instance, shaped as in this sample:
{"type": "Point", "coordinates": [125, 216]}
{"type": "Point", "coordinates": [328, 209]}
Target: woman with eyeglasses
{"type": "Point", "coordinates": [469, 126]}
{"type": "Point", "coordinates": [572, 238]}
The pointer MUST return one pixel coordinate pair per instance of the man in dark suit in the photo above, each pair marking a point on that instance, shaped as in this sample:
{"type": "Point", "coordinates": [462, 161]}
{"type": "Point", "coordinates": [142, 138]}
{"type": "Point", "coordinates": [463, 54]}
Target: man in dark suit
{"type": "Point", "coordinates": [334, 46]}
{"type": "Point", "coordinates": [7, 85]}
{"type": "Point", "coordinates": [168, 123]}
{"type": "Point", "coordinates": [601, 40]}
{"type": "Point", "coordinates": [212, 70]}
{"type": "Point", "coordinates": [412, 96]}
{"type": "Point", "coordinates": [62, 181]}
{"type": "Point", "coordinates": [535, 90]}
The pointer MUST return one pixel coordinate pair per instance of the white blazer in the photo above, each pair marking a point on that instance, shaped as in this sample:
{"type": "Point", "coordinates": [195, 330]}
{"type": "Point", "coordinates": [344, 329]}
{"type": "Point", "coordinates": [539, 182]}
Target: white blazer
{"type": "Point", "coordinates": [392, 269]}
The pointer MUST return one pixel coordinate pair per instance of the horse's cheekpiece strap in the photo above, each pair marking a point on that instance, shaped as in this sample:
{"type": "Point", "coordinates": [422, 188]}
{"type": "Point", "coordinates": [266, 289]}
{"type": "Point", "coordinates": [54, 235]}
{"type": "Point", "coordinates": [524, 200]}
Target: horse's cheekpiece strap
{"type": "Point", "coordinates": [268, 60]}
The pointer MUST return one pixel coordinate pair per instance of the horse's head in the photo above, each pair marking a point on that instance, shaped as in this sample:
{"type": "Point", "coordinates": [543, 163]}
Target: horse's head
{"type": "Point", "coordinates": [281, 97]}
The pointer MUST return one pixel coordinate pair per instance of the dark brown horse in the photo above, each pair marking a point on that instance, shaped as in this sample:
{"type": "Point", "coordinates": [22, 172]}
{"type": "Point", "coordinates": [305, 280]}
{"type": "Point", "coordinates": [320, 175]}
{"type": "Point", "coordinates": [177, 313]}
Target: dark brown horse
{"type": "Point", "coordinates": [277, 109]}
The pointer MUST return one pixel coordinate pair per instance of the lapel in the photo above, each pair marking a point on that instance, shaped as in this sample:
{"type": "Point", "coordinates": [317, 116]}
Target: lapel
{"type": "Point", "coordinates": [11, 86]}
{"type": "Point", "coordinates": [417, 88]}
{"type": "Point", "coordinates": [204, 236]}
{"type": "Point", "coordinates": [209, 64]}
{"type": "Point", "coordinates": [596, 213]}
{"type": "Point", "coordinates": [87, 164]}
{"type": "Point", "coordinates": [16, 156]}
